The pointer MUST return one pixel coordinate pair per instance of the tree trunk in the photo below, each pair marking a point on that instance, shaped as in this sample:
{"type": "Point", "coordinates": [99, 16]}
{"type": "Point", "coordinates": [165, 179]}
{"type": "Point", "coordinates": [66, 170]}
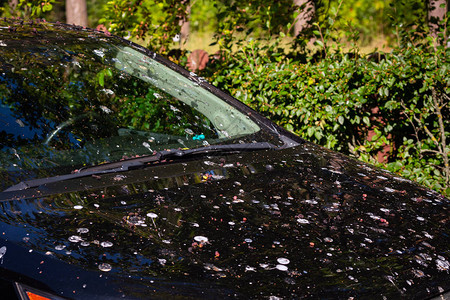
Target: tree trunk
{"type": "Point", "coordinates": [13, 4]}
{"type": "Point", "coordinates": [185, 25]}
{"type": "Point", "coordinates": [305, 16]}
{"type": "Point", "coordinates": [76, 12]}
{"type": "Point", "coordinates": [436, 14]}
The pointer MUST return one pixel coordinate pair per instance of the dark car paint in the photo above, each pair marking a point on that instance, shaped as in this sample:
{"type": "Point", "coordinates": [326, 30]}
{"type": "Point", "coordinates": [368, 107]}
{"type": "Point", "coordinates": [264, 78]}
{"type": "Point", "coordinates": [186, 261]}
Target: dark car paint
{"type": "Point", "coordinates": [347, 229]}
{"type": "Point", "coordinates": [263, 195]}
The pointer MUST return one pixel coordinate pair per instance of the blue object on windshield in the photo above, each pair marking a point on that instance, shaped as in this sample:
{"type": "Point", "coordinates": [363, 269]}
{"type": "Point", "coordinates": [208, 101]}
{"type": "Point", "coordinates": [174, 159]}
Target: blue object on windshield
{"type": "Point", "coordinates": [199, 137]}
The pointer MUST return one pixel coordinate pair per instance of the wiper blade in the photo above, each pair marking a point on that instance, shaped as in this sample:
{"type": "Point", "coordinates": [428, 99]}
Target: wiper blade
{"type": "Point", "coordinates": [125, 165]}
{"type": "Point", "coordinates": [215, 149]}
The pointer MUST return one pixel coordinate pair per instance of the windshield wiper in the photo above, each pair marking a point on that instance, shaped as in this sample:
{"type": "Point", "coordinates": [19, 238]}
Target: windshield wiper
{"type": "Point", "coordinates": [129, 164]}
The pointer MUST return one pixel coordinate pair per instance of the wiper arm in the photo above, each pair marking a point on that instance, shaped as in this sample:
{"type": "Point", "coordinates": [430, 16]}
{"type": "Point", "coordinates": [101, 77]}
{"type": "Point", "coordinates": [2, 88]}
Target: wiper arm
{"type": "Point", "coordinates": [215, 149]}
{"type": "Point", "coordinates": [125, 165]}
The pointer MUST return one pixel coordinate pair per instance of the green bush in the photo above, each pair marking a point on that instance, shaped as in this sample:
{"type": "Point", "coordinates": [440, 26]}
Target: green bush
{"type": "Point", "coordinates": [358, 105]}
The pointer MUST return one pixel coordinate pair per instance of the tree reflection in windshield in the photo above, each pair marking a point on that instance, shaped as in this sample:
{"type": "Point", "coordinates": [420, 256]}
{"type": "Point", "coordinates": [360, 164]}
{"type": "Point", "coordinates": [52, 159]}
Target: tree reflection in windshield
{"type": "Point", "coordinates": [67, 105]}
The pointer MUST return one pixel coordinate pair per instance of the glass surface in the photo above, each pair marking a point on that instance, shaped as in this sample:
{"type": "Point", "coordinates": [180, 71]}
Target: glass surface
{"type": "Point", "coordinates": [79, 102]}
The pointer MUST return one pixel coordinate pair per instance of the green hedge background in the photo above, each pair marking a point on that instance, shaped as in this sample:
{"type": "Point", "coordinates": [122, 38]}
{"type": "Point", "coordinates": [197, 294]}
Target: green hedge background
{"type": "Point", "coordinates": [388, 107]}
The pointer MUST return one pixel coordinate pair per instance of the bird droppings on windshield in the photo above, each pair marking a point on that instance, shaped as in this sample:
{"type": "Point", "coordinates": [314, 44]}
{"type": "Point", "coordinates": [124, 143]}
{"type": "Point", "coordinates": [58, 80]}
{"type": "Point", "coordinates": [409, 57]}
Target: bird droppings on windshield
{"type": "Point", "coordinates": [152, 215]}
{"type": "Point", "coordinates": [302, 221]}
{"type": "Point", "coordinates": [281, 267]}
{"type": "Point", "coordinates": [283, 261]}
{"type": "Point", "coordinates": [2, 253]}
{"type": "Point", "coordinates": [104, 267]}
{"type": "Point", "coordinates": [442, 264]}
{"type": "Point", "coordinates": [82, 230]}
{"type": "Point", "coordinates": [201, 239]}
{"type": "Point", "coordinates": [106, 244]}
{"type": "Point", "coordinates": [75, 239]}
{"type": "Point", "coordinates": [60, 247]}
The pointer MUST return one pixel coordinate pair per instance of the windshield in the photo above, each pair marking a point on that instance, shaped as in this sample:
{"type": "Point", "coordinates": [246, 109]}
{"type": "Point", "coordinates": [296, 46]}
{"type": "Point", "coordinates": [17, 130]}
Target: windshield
{"type": "Point", "coordinates": [83, 99]}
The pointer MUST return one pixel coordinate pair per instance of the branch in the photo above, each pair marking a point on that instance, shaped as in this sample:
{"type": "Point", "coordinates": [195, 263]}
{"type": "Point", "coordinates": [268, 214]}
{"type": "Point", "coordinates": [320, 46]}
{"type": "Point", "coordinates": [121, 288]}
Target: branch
{"type": "Point", "coordinates": [448, 99]}
{"type": "Point", "coordinates": [248, 61]}
{"type": "Point", "coordinates": [431, 151]}
{"type": "Point", "coordinates": [431, 135]}
{"type": "Point", "coordinates": [416, 131]}
{"type": "Point", "coordinates": [443, 138]}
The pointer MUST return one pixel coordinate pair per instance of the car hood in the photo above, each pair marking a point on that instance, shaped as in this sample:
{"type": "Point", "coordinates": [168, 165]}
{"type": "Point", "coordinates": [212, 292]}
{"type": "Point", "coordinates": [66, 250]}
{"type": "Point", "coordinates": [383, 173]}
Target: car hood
{"type": "Point", "coordinates": [298, 222]}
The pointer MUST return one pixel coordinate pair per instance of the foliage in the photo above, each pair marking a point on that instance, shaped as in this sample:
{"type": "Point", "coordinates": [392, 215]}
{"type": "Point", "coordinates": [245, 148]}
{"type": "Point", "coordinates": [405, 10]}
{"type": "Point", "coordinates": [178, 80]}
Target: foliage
{"type": "Point", "coordinates": [270, 16]}
{"type": "Point", "coordinates": [95, 11]}
{"type": "Point", "coordinates": [359, 105]}
{"type": "Point", "coordinates": [157, 23]}
{"type": "Point", "coordinates": [37, 7]}
{"type": "Point", "coordinates": [372, 18]}
{"type": "Point", "coordinates": [28, 8]}
{"type": "Point", "coordinates": [203, 16]}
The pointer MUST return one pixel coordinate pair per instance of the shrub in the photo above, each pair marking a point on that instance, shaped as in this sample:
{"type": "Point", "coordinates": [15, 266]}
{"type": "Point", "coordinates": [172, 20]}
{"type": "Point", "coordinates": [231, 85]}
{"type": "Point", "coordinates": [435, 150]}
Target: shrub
{"type": "Point", "coordinates": [394, 104]}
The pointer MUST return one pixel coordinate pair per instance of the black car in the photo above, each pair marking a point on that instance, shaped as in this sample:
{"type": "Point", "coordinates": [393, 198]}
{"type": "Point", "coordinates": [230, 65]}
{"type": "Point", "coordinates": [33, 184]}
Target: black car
{"type": "Point", "coordinates": [123, 175]}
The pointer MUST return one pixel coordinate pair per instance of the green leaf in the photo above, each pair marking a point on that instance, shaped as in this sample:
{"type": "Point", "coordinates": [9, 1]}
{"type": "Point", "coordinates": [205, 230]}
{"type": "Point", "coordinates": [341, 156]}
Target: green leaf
{"type": "Point", "coordinates": [47, 7]}
{"type": "Point", "coordinates": [366, 120]}
{"type": "Point", "coordinates": [101, 78]}
{"type": "Point", "coordinates": [318, 135]}
{"type": "Point", "coordinates": [319, 43]}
